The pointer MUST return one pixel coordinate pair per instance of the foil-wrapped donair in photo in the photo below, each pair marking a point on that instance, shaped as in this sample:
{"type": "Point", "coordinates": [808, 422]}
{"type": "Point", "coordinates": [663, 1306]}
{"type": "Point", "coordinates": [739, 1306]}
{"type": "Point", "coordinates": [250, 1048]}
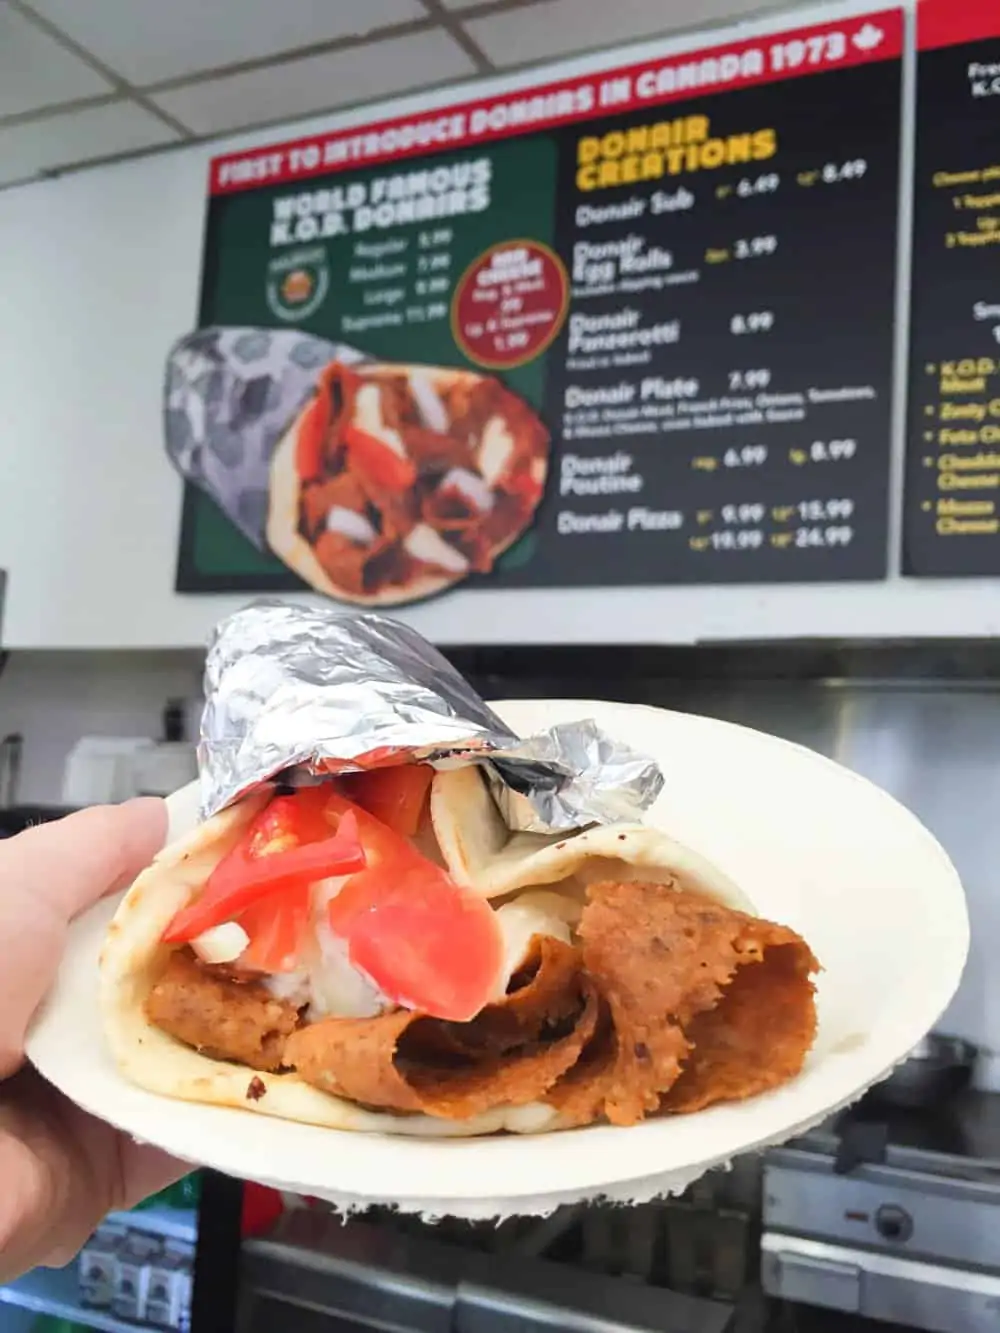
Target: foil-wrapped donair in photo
{"type": "Point", "coordinates": [401, 918]}
{"type": "Point", "coordinates": [376, 484]}
{"type": "Point", "coordinates": [398, 481]}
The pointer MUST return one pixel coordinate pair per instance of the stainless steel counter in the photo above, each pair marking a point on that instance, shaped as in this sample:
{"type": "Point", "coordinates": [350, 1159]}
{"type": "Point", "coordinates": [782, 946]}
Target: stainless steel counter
{"type": "Point", "coordinates": [315, 1272]}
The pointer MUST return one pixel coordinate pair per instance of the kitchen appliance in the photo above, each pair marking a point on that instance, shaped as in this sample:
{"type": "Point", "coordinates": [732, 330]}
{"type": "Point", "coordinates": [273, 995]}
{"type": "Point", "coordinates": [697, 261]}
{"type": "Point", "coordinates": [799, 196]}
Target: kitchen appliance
{"type": "Point", "coordinates": [172, 762]}
{"type": "Point", "coordinates": [11, 754]}
{"type": "Point", "coordinates": [101, 770]}
{"type": "Point", "coordinates": [891, 1213]}
{"type": "Point", "coordinates": [937, 1069]}
{"type": "Point", "coordinates": [106, 769]}
{"type": "Point", "coordinates": [315, 1273]}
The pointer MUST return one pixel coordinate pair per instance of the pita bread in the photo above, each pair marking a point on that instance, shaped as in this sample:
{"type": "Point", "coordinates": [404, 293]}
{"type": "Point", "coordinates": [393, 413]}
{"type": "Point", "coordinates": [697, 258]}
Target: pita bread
{"type": "Point", "coordinates": [133, 957]}
{"type": "Point", "coordinates": [481, 853]}
{"type": "Point", "coordinates": [292, 549]}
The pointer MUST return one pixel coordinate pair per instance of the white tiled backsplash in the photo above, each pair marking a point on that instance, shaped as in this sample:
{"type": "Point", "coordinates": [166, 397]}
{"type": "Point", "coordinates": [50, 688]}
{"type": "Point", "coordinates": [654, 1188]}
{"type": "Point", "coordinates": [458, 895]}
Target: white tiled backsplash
{"type": "Point", "coordinates": [54, 698]}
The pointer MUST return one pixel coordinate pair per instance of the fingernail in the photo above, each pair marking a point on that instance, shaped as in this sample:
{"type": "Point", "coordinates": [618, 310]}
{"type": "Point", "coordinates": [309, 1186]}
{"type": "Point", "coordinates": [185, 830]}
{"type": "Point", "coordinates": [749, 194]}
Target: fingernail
{"type": "Point", "coordinates": [149, 803]}
{"type": "Point", "coordinates": [150, 808]}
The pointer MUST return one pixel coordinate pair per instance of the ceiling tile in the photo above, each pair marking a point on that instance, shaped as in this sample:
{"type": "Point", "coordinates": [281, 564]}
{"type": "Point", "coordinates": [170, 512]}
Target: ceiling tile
{"type": "Point", "coordinates": [75, 137]}
{"type": "Point", "coordinates": [150, 41]}
{"type": "Point", "coordinates": [565, 27]}
{"type": "Point", "coordinates": [316, 83]}
{"type": "Point", "coordinates": [35, 71]}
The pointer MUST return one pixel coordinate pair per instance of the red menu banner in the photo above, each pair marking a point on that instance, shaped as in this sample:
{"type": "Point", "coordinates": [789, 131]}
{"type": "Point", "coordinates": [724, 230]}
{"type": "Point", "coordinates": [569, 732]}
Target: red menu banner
{"type": "Point", "coordinates": [717, 69]}
{"type": "Point", "coordinates": [955, 22]}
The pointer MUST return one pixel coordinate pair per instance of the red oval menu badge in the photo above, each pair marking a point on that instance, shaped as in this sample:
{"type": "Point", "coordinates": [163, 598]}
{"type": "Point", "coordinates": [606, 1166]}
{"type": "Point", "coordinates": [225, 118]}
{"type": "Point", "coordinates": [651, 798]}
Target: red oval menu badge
{"type": "Point", "coordinates": [509, 304]}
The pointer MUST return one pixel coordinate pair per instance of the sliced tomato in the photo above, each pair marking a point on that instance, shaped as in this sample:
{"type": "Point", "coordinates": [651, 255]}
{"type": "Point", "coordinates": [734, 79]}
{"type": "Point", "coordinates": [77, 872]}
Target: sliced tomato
{"type": "Point", "coordinates": [376, 460]}
{"type": "Point", "coordinates": [294, 841]}
{"type": "Point", "coordinates": [426, 942]}
{"type": "Point", "coordinates": [310, 441]}
{"type": "Point", "coordinates": [277, 926]}
{"type": "Point", "coordinates": [524, 487]}
{"type": "Point", "coordinates": [290, 821]}
{"type": "Point", "coordinates": [396, 796]}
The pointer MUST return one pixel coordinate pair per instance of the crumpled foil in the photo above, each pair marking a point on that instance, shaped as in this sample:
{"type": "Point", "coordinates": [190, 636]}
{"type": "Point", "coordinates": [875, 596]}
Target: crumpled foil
{"type": "Point", "coordinates": [229, 396]}
{"type": "Point", "coordinates": [300, 691]}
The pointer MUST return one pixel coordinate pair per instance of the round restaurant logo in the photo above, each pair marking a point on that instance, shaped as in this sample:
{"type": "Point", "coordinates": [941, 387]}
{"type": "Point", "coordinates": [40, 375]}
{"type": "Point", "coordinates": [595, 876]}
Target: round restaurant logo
{"type": "Point", "coordinates": [297, 284]}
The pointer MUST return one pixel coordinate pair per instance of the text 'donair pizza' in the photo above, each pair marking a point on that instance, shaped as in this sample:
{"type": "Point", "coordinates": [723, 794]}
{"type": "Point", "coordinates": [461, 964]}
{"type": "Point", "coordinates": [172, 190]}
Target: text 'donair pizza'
{"type": "Point", "coordinates": [395, 482]}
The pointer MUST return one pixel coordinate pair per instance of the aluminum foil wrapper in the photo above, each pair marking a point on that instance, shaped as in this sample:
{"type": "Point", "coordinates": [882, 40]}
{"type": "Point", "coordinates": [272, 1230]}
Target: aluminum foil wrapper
{"type": "Point", "coordinates": [229, 396]}
{"type": "Point", "coordinates": [302, 691]}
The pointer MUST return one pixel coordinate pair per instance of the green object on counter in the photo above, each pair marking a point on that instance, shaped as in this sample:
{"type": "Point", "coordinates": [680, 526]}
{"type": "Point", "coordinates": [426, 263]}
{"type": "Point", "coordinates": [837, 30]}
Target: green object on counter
{"type": "Point", "coordinates": [49, 1323]}
{"type": "Point", "coordinates": [186, 1193]}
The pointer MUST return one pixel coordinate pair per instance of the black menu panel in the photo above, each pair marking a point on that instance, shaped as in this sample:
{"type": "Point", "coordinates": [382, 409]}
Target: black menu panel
{"type": "Point", "coordinates": [722, 385]}
{"type": "Point", "coordinates": [952, 492]}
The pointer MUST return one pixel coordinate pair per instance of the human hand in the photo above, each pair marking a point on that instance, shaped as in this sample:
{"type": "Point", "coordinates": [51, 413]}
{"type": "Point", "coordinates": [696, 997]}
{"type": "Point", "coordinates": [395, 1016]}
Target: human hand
{"type": "Point", "coordinates": [61, 1170]}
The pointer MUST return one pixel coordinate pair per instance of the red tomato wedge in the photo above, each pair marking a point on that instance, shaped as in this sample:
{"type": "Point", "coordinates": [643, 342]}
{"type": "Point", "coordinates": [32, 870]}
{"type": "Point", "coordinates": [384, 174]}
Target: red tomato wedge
{"type": "Point", "coordinates": [376, 460]}
{"type": "Point", "coordinates": [427, 943]}
{"type": "Point", "coordinates": [310, 442]}
{"type": "Point", "coordinates": [396, 796]}
{"type": "Point", "coordinates": [294, 841]}
{"type": "Point", "coordinates": [276, 925]}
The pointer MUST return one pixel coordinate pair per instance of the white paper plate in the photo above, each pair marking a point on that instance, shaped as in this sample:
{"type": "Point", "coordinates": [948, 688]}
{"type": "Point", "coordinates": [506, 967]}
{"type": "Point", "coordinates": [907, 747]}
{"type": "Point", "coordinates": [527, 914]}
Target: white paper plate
{"type": "Point", "coordinates": [813, 845]}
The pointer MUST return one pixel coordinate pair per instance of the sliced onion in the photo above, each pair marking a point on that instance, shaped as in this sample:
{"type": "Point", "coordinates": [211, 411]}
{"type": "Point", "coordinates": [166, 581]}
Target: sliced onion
{"type": "Point", "coordinates": [221, 944]}
{"type": "Point", "coordinates": [471, 485]}
{"type": "Point", "coordinates": [349, 523]}
{"type": "Point", "coordinates": [432, 409]}
{"type": "Point", "coordinates": [531, 914]}
{"type": "Point", "coordinates": [326, 984]}
{"type": "Point", "coordinates": [368, 417]}
{"type": "Point", "coordinates": [496, 448]}
{"type": "Point", "coordinates": [423, 543]}
{"type": "Point", "coordinates": [338, 989]}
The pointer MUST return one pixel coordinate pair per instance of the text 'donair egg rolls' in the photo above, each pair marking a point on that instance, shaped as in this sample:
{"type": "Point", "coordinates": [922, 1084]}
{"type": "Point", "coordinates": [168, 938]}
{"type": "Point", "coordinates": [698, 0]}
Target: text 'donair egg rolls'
{"type": "Point", "coordinates": [300, 957]}
{"type": "Point", "coordinates": [394, 482]}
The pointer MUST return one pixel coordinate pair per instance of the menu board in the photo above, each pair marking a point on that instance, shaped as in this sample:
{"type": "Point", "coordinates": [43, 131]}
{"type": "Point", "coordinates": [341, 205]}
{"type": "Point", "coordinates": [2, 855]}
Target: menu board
{"type": "Point", "coordinates": [655, 306]}
{"type": "Point", "coordinates": [952, 492]}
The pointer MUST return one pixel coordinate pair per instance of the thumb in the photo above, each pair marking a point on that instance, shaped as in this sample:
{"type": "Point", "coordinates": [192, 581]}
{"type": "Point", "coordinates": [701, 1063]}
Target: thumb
{"type": "Point", "coordinates": [146, 1170]}
{"type": "Point", "coordinates": [48, 876]}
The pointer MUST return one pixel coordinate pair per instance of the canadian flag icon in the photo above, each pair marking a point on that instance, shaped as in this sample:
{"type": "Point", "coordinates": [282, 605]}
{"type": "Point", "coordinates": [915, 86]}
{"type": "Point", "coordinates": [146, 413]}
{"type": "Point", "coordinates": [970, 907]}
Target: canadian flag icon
{"type": "Point", "coordinates": [868, 36]}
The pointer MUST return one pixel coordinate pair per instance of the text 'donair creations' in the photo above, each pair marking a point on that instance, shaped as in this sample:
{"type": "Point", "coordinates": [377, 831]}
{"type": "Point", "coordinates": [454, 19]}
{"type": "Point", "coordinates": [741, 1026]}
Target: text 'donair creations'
{"type": "Point", "coordinates": [558, 336]}
{"type": "Point", "coordinates": [415, 915]}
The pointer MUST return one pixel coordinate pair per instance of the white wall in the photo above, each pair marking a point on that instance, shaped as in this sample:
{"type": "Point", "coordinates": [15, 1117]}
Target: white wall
{"type": "Point", "coordinates": [99, 273]}
{"type": "Point", "coordinates": [53, 699]}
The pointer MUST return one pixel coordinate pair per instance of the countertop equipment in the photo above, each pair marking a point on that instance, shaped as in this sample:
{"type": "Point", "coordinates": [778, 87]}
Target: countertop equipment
{"type": "Point", "coordinates": [316, 1273]}
{"type": "Point", "coordinates": [892, 1213]}
{"type": "Point", "coordinates": [938, 1068]}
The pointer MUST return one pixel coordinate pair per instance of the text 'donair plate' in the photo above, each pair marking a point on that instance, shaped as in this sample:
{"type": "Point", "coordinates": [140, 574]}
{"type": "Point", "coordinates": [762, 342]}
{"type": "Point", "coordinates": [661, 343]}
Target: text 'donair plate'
{"type": "Point", "coordinates": [812, 844]}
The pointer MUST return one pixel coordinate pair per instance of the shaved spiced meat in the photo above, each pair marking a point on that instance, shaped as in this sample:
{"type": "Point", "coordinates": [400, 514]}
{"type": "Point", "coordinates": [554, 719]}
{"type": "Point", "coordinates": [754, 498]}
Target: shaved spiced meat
{"type": "Point", "coordinates": [507, 1056]}
{"type": "Point", "coordinates": [668, 1003]}
{"type": "Point", "coordinates": [220, 1017]}
{"type": "Point", "coordinates": [671, 966]}
{"type": "Point", "coordinates": [756, 1037]}
{"type": "Point", "coordinates": [434, 452]}
{"type": "Point", "coordinates": [351, 561]}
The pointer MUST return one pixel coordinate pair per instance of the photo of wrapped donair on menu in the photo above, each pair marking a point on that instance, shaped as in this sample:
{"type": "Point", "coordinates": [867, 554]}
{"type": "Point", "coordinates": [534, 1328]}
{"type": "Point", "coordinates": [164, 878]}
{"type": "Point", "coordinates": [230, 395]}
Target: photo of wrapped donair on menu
{"type": "Point", "coordinates": [376, 484]}
{"type": "Point", "coordinates": [397, 481]}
